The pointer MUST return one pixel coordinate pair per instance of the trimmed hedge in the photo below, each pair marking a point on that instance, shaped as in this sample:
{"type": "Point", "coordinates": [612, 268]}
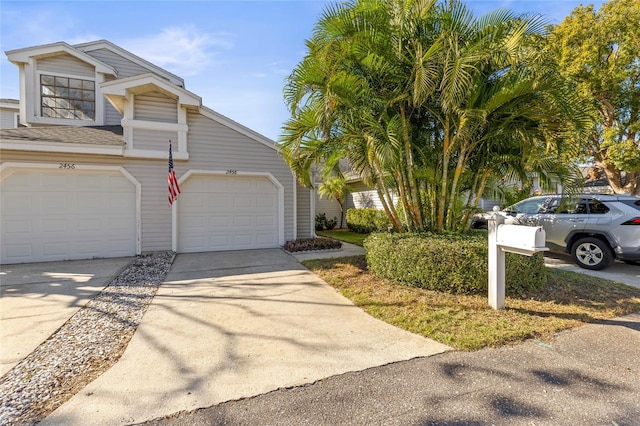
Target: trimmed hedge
{"type": "Point", "coordinates": [455, 263]}
{"type": "Point", "coordinates": [364, 221]}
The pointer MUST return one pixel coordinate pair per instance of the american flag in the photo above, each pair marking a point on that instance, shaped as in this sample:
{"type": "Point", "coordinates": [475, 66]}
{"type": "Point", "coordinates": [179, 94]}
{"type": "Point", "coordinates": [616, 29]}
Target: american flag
{"type": "Point", "coordinates": [174, 189]}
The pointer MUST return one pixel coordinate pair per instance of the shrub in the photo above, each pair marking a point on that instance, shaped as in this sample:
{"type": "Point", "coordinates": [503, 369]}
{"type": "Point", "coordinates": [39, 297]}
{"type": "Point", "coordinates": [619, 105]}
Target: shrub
{"type": "Point", "coordinates": [363, 221]}
{"type": "Point", "coordinates": [455, 263]}
{"type": "Point", "coordinates": [320, 221]}
{"type": "Point", "coordinates": [331, 223]}
{"type": "Point", "coordinates": [323, 223]}
{"type": "Point", "coordinates": [306, 244]}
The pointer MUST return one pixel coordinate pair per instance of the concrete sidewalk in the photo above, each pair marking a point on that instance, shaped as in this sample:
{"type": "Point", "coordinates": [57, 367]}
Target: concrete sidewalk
{"type": "Point", "coordinates": [346, 250]}
{"type": "Point", "coordinates": [37, 298]}
{"type": "Point", "coordinates": [231, 325]}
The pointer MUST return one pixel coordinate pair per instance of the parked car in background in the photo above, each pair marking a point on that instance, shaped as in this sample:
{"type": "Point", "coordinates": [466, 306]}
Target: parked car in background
{"type": "Point", "coordinates": [595, 229]}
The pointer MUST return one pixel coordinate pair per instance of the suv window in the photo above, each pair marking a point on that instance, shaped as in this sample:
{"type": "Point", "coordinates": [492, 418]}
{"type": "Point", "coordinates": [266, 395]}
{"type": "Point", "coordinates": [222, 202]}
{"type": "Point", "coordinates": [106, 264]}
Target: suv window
{"type": "Point", "coordinates": [560, 206]}
{"type": "Point", "coordinates": [597, 207]}
{"type": "Point", "coordinates": [527, 206]}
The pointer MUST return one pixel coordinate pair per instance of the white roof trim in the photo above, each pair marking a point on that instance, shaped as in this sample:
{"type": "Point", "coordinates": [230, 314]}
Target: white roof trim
{"type": "Point", "coordinates": [121, 86]}
{"type": "Point", "coordinates": [22, 55]}
{"type": "Point", "coordinates": [207, 112]}
{"type": "Point", "coordinates": [69, 148]}
{"type": "Point", "coordinates": [106, 44]}
{"type": "Point", "coordinates": [10, 105]}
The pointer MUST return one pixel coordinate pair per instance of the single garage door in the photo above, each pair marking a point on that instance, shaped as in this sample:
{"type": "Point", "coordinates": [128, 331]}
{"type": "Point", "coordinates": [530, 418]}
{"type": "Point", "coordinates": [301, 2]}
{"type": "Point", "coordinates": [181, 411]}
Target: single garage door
{"type": "Point", "coordinates": [227, 213]}
{"type": "Point", "coordinates": [50, 215]}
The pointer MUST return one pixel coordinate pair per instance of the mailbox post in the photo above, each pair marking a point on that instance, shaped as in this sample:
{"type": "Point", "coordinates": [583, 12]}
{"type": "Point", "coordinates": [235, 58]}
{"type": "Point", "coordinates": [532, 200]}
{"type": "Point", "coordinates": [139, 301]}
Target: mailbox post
{"type": "Point", "coordinates": [496, 264]}
{"type": "Point", "coordinates": [525, 240]}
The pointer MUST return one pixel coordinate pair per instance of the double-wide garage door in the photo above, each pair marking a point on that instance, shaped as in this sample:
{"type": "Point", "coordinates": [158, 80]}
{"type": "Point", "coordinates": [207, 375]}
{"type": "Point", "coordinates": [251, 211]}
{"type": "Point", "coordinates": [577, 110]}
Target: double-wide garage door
{"type": "Point", "coordinates": [227, 213]}
{"type": "Point", "coordinates": [50, 215]}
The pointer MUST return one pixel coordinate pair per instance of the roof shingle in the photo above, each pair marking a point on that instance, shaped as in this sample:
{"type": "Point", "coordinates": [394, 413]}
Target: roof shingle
{"type": "Point", "coordinates": [94, 135]}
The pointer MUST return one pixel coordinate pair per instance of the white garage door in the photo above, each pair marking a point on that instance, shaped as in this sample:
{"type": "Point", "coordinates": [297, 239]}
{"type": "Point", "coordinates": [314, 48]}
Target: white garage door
{"type": "Point", "coordinates": [68, 214]}
{"type": "Point", "coordinates": [227, 213]}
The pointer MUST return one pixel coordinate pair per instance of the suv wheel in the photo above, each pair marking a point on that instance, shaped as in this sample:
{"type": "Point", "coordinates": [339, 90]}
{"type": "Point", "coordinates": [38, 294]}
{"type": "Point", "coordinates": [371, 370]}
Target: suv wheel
{"type": "Point", "coordinates": [592, 253]}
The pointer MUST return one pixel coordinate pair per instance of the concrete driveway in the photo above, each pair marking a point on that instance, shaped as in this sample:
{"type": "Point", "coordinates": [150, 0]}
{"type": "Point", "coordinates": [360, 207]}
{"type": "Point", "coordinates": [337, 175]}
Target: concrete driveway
{"type": "Point", "coordinates": [618, 271]}
{"type": "Point", "coordinates": [230, 325]}
{"type": "Point", "coordinates": [37, 298]}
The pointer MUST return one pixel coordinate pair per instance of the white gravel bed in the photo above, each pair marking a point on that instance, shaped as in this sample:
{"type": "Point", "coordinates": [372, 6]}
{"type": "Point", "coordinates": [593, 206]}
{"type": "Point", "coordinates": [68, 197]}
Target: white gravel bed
{"type": "Point", "coordinates": [87, 345]}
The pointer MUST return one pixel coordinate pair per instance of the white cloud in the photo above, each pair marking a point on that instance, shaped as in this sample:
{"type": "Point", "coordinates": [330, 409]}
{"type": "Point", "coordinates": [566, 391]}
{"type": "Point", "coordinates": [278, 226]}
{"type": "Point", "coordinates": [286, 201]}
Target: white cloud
{"type": "Point", "coordinates": [184, 51]}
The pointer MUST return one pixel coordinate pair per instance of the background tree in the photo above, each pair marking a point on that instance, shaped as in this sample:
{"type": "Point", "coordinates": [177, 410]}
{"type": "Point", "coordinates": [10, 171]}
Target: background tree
{"type": "Point", "coordinates": [335, 188]}
{"type": "Point", "coordinates": [428, 104]}
{"type": "Point", "coordinates": [600, 51]}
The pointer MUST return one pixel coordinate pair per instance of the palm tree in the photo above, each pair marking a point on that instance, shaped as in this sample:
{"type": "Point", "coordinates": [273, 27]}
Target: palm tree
{"type": "Point", "coordinates": [428, 103]}
{"type": "Point", "coordinates": [335, 188]}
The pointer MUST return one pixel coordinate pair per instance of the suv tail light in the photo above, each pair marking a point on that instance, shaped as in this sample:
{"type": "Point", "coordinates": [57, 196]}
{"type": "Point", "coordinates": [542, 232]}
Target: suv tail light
{"type": "Point", "coordinates": [634, 221]}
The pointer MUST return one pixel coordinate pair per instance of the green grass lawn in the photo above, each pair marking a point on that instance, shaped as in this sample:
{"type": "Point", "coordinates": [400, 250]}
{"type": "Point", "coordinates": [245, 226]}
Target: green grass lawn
{"type": "Point", "coordinates": [344, 235]}
{"type": "Point", "coordinates": [466, 321]}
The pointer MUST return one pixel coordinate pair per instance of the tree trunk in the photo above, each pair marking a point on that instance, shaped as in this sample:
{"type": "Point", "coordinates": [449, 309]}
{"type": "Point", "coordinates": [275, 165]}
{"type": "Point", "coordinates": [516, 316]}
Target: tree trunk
{"type": "Point", "coordinates": [631, 184]}
{"type": "Point", "coordinates": [445, 167]}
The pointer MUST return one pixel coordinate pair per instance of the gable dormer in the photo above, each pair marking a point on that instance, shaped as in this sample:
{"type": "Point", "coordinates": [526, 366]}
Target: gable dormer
{"type": "Point", "coordinates": [60, 85]}
{"type": "Point", "coordinates": [154, 111]}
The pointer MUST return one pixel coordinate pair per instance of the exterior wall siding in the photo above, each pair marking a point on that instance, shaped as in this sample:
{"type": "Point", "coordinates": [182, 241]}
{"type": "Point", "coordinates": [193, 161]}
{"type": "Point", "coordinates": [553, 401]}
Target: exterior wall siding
{"type": "Point", "coordinates": [111, 116]}
{"type": "Point", "coordinates": [156, 107]}
{"type": "Point", "coordinates": [123, 66]}
{"type": "Point", "coordinates": [303, 200]}
{"type": "Point", "coordinates": [153, 139]}
{"type": "Point", "coordinates": [66, 64]}
{"type": "Point", "coordinates": [330, 208]}
{"type": "Point", "coordinates": [7, 118]}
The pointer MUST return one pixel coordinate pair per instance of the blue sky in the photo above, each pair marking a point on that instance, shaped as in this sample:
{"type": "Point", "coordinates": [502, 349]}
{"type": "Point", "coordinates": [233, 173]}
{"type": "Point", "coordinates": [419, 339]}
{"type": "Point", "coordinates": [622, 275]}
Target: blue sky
{"type": "Point", "coordinates": [233, 54]}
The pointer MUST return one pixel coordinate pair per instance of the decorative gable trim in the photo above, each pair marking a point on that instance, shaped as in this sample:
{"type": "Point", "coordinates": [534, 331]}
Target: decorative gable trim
{"type": "Point", "coordinates": [22, 56]}
{"type": "Point", "coordinates": [145, 83]}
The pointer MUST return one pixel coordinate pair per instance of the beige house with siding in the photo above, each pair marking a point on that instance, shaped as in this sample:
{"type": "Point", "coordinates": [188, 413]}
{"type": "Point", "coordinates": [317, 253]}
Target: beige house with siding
{"type": "Point", "coordinates": [87, 176]}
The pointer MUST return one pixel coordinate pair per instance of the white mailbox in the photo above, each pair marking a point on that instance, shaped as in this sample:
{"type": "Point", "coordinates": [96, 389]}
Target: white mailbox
{"type": "Point", "coordinates": [520, 239]}
{"type": "Point", "coordinates": [526, 240]}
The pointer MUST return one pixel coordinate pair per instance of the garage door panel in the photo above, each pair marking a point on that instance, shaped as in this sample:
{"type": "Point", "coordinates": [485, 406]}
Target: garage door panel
{"type": "Point", "coordinates": [265, 202]}
{"type": "Point", "coordinates": [244, 186]}
{"type": "Point", "coordinates": [265, 187]}
{"type": "Point", "coordinates": [220, 221]}
{"type": "Point", "coordinates": [220, 242]}
{"type": "Point", "coordinates": [17, 227]}
{"type": "Point", "coordinates": [266, 239]}
{"type": "Point", "coordinates": [17, 251]}
{"type": "Point", "coordinates": [53, 181]}
{"type": "Point", "coordinates": [241, 222]}
{"type": "Point", "coordinates": [89, 225]}
{"type": "Point", "coordinates": [241, 213]}
{"type": "Point", "coordinates": [52, 225]}
{"type": "Point", "coordinates": [243, 202]}
{"type": "Point", "coordinates": [56, 203]}
{"type": "Point", "coordinates": [242, 241]}
{"type": "Point", "coordinates": [268, 221]}
{"type": "Point", "coordinates": [54, 249]}
{"type": "Point", "coordinates": [67, 214]}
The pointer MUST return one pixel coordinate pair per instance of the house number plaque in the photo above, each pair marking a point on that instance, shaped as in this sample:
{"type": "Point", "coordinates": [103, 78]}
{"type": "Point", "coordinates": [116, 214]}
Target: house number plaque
{"type": "Point", "coordinates": [232, 172]}
{"type": "Point", "coordinates": [67, 166]}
